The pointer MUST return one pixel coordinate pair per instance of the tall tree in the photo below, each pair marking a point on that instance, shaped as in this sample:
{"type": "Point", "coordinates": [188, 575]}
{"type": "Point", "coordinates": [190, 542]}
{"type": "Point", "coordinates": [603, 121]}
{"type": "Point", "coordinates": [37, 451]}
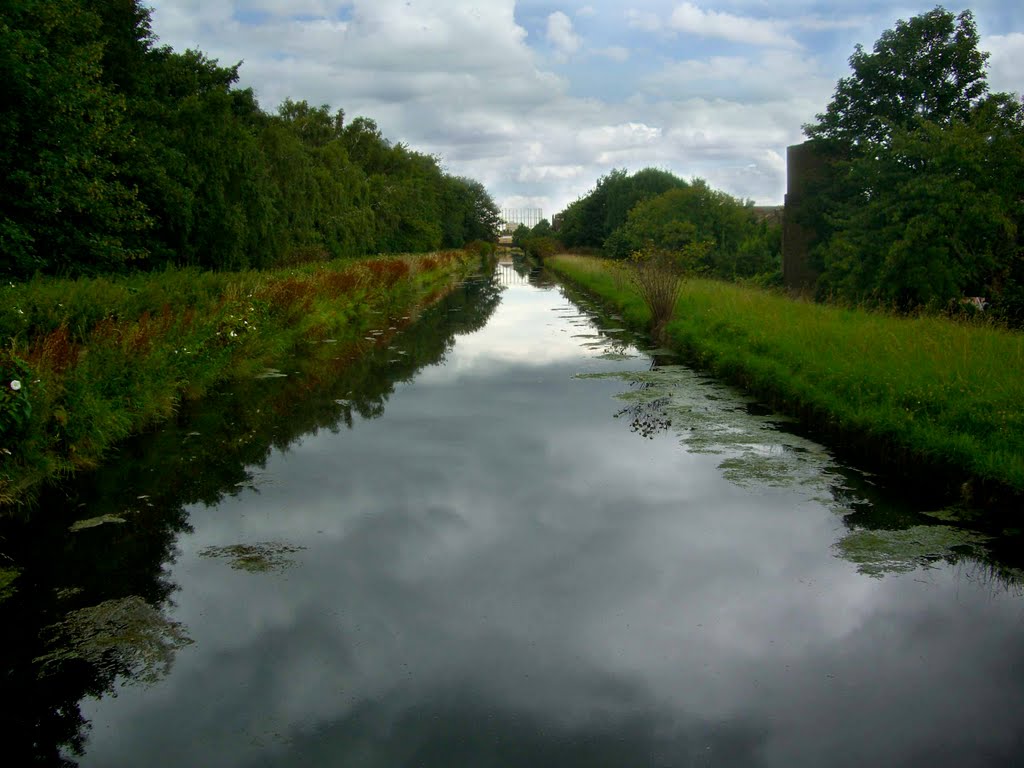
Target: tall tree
{"type": "Point", "coordinates": [922, 203]}
{"type": "Point", "coordinates": [927, 68]}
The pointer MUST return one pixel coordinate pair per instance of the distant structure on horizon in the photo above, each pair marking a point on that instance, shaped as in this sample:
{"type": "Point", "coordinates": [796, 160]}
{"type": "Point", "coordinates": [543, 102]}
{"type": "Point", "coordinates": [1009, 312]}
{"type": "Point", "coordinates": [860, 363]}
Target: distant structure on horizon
{"type": "Point", "coordinates": [513, 217]}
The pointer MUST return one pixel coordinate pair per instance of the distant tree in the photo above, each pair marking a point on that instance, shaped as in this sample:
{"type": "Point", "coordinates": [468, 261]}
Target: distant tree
{"type": "Point", "coordinates": [542, 229]}
{"type": "Point", "coordinates": [591, 219]}
{"type": "Point", "coordinates": [735, 244]}
{"type": "Point", "coordinates": [520, 236]}
{"type": "Point", "coordinates": [485, 216]}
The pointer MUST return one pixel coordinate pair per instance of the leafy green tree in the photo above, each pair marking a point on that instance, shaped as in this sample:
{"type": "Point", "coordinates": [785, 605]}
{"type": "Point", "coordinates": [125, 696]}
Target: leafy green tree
{"type": "Point", "coordinates": [939, 216]}
{"type": "Point", "coordinates": [314, 126]}
{"type": "Point", "coordinates": [926, 68]}
{"type": "Point", "coordinates": [591, 219]}
{"type": "Point", "coordinates": [485, 216]}
{"type": "Point", "coordinates": [520, 236]}
{"type": "Point", "coordinates": [922, 204]}
{"type": "Point", "coordinates": [64, 207]}
{"type": "Point", "coordinates": [469, 212]}
{"type": "Point", "coordinates": [693, 214]}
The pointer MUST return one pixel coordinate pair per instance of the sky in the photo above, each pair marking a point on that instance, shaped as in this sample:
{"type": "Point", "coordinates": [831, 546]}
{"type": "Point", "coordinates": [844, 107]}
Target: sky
{"type": "Point", "coordinates": [538, 99]}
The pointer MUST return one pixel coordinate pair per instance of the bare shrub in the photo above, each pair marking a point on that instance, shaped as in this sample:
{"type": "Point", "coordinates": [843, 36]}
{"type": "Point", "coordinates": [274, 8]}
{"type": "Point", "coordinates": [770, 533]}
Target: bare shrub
{"type": "Point", "coordinates": [658, 275]}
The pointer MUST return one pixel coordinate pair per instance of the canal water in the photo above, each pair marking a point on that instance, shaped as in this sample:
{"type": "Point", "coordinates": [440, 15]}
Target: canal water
{"type": "Point", "coordinates": [509, 535]}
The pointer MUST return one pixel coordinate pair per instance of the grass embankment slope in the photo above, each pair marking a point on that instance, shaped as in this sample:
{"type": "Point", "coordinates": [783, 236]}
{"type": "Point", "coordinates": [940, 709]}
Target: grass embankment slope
{"type": "Point", "coordinates": [932, 396]}
{"type": "Point", "coordinates": [85, 363]}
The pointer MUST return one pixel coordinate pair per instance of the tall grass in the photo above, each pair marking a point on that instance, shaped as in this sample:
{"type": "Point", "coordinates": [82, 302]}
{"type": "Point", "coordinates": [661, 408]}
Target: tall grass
{"type": "Point", "coordinates": [930, 393]}
{"type": "Point", "coordinates": [85, 363]}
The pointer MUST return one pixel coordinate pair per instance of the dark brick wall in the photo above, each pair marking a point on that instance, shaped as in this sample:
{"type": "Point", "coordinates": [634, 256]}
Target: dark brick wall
{"type": "Point", "coordinates": [805, 165]}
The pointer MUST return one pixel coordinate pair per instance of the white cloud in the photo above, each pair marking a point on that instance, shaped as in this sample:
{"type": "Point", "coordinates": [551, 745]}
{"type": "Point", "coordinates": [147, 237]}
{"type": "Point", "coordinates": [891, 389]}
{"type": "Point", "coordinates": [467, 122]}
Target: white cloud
{"type": "Point", "coordinates": [1006, 67]}
{"type": "Point", "coordinates": [614, 52]}
{"type": "Point", "coordinates": [649, 22]}
{"type": "Point", "coordinates": [826, 23]}
{"type": "Point", "coordinates": [768, 76]}
{"type": "Point", "coordinates": [561, 34]}
{"type": "Point", "coordinates": [691, 19]}
{"type": "Point", "coordinates": [535, 172]}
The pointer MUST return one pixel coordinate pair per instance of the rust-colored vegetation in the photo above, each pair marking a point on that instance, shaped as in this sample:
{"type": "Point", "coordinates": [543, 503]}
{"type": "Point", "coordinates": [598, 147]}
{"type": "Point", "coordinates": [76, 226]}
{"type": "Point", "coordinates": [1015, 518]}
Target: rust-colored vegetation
{"type": "Point", "coordinates": [53, 352]}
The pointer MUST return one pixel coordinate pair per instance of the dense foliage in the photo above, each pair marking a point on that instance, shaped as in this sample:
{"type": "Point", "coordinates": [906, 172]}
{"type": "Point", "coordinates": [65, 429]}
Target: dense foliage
{"type": "Point", "coordinates": [118, 153]}
{"type": "Point", "coordinates": [923, 203]}
{"type": "Point", "coordinates": [625, 214]}
{"type": "Point", "coordinates": [589, 221]}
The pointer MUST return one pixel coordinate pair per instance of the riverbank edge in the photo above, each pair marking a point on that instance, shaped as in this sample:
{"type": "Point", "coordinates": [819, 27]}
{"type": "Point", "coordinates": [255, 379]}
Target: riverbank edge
{"type": "Point", "coordinates": [104, 359]}
{"type": "Point", "coordinates": [975, 469]}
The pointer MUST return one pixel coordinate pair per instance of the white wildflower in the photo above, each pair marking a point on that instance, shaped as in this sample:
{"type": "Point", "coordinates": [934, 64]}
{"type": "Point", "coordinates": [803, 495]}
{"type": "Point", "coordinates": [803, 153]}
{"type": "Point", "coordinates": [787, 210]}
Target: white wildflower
{"type": "Point", "coordinates": [15, 385]}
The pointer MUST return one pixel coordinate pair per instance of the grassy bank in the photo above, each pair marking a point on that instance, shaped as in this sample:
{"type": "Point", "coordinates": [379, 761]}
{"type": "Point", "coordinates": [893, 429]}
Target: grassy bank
{"type": "Point", "coordinates": [927, 395]}
{"type": "Point", "coordinates": [85, 363]}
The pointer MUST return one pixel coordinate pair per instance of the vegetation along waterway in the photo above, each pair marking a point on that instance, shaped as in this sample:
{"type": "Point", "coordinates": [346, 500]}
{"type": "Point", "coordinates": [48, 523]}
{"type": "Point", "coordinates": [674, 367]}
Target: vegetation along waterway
{"type": "Point", "coordinates": [89, 361]}
{"type": "Point", "coordinates": [933, 399]}
{"type": "Point", "coordinates": [511, 536]}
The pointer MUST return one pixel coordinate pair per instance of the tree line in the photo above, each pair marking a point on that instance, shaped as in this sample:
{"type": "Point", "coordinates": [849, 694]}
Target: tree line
{"type": "Point", "coordinates": [627, 213]}
{"type": "Point", "coordinates": [118, 153]}
{"type": "Point", "coordinates": [920, 204]}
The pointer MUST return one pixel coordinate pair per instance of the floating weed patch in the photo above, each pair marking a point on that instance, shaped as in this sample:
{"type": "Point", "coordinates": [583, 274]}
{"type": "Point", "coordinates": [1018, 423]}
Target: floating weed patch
{"type": "Point", "coordinates": [754, 468]}
{"type": "Point", "coordinates": [270, 373]}
{"type": "Point", "coordinates": [712, 419]}
{"type": "Point", "coordinates": [254, 481]}
{"type": "Point", "coordinates": [95, 522]}
{"type": "Point", "coordinates": [264, 557]}
{"type": "Point", "coordinates": [616, 356]}
{"type": "Point", "coordinates": [125, 636]}
{"type": "Point", "coordinates": [877, 553]}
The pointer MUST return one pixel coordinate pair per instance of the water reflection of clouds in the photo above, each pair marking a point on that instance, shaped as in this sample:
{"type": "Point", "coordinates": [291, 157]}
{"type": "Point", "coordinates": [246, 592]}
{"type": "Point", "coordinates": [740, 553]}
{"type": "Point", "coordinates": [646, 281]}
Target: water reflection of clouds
{"type": "Point", "coordinates": [539, 575]}
{"type": "Point", "coordinates": [525, 331]}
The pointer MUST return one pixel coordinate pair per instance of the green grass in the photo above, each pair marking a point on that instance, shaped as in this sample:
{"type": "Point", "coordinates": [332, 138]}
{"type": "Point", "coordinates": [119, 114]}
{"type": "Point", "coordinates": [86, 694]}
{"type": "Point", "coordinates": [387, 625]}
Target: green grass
{"type": "Point", "coordinates": [96, 360]}
{"type": "Point", "coordinates": [928, 393]}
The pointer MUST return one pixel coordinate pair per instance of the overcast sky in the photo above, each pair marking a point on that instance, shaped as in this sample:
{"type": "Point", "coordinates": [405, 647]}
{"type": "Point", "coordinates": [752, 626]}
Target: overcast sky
{"type": "Point", "coordinates": [537, 99]}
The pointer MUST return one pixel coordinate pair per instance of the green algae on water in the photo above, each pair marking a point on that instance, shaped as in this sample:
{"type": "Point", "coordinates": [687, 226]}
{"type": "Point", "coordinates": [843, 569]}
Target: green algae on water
{"type": "Point", "coordinates": [712, 418]}
{"type": "Point", "coordinates": [126, 636]}
{"type": "Point", "coordinates": [95, 522]}
{"type": "Point", "coordinates": [880, 552]}
{"type": "Point", "coordinates": [263, 557]}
